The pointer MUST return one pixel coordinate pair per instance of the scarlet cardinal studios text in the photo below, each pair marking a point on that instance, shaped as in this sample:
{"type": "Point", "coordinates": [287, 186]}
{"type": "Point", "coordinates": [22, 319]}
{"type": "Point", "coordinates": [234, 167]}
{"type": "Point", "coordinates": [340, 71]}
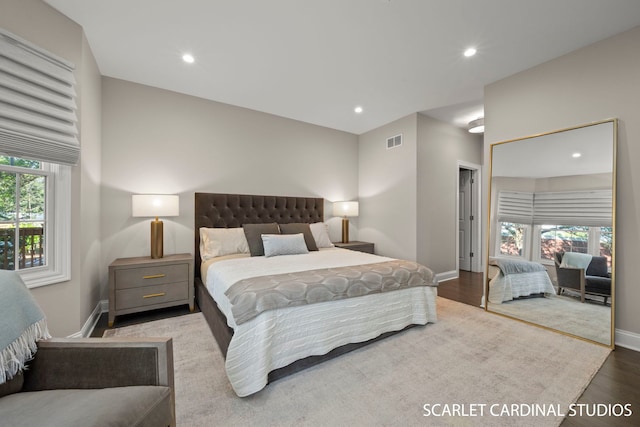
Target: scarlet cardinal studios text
{"type": "Point", "coordinates": [526, 410]}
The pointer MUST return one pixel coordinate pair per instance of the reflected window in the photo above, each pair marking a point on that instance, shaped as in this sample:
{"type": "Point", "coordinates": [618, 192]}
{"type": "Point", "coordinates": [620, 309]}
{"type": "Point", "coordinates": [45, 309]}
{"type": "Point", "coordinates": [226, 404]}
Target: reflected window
{"type": "Point", "coordinates": [513, 238]}
{"type": "Point", "coordinates": [606, 243]}
{"type": "Point", "coordinates": [596, 241]}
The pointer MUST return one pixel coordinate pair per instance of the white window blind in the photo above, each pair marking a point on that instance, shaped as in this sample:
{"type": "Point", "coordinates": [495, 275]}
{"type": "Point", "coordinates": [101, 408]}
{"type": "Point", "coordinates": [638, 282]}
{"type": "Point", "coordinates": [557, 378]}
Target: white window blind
{"type": "Point", "coordinates": [593, 208]}
{"type": "Point", "coordinates": [37, 103]}
{"type": "Point", "coordinates": [515, 206]}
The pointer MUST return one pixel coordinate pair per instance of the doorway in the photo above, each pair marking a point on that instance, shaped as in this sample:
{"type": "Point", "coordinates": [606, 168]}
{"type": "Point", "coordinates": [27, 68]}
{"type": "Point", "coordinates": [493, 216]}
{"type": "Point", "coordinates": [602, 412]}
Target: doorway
{"type": "Point", "coordinates": [468, 223]}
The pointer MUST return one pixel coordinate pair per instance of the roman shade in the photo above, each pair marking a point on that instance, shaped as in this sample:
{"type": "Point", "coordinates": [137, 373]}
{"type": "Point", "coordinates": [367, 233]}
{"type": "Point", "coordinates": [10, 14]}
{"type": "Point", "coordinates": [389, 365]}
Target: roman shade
{"type": "Point", "coordinates": [592, 208]}
{"type": "Point", "coordinates": [37, 103]}
{"type": "Point", "coordinates": [515, 206]}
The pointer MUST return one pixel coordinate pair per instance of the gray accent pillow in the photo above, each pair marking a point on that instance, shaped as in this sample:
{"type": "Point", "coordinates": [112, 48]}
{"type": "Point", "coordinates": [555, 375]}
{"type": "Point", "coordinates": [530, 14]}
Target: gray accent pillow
{"type": "Point", "coordinates": [300, 227]}
{"type": "Point", "coordinates": [254, 232]}
{"type": "Point", "coordinates": [284, 244]}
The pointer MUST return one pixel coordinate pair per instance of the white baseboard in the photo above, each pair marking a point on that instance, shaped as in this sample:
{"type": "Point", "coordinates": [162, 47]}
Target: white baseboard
{"type": "Point", "coordinates": [447, 275]}
{"type": "Point", "coordinates": [627, 339]}
{"type": "Point", "coordinates": [92, 321]}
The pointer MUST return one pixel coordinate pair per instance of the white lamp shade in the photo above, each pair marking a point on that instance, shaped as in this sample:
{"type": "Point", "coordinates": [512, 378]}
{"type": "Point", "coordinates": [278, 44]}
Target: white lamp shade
{"type": "Point", "coordinates": [345, 209]}
{"type": "Point", "coordinates": [155, 205]}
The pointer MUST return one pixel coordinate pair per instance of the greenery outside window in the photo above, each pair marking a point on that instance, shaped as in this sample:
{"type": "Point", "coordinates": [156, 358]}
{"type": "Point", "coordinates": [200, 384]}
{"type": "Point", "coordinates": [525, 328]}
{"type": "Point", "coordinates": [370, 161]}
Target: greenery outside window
{"type": "Point", "coordinates": [34, 219]}
{"type": "Point", "coordinates": [514, 239]}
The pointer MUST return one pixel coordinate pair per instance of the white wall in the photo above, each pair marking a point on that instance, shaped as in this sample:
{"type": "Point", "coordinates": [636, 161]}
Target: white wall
{"type": "Point", "coordinates": [388, 189]}
{"type": "Point", "coordinates": [591, 84]}
{"type": "Point", "coordinates": [157, 141]}
{"type": "Point", "coordinates": [68, 304]}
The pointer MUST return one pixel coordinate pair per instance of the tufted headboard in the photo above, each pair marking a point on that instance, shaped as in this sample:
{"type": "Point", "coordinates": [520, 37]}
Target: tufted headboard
{"type": "Point", "coordinates": [216, 210]}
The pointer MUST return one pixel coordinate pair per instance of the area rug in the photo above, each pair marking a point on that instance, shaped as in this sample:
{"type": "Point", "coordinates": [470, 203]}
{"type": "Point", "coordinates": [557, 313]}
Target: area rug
{"type": "Point", "coordinates": [589, 319]}
{"type": "Point", "coordinates": [471, 368]}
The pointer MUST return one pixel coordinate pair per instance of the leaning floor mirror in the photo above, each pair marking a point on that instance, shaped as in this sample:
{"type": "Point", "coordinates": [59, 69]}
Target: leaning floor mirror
{"type": "Point", "coordinates": [551, 258]}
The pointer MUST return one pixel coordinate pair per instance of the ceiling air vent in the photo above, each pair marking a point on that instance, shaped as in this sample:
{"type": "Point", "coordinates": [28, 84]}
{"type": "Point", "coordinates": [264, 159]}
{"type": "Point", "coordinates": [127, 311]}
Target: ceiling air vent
{"type": "Point", "coordinates": [394, 141]}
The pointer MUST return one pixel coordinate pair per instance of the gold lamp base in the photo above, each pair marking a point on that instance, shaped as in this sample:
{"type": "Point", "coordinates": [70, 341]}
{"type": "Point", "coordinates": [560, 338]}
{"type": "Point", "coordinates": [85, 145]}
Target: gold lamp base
{"type": "Point", "coordinates": [345, 230]}
{"type": "Point", "coordinates": [157, 239]}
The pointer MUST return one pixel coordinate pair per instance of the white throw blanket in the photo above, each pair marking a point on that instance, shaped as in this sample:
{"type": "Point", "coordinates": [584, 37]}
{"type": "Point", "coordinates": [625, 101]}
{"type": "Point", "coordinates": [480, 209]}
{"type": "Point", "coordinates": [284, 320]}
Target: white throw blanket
{"type": "Point", "coordinates": [575, 260]}
{"type": "Point", "coordinates": [22, 325]}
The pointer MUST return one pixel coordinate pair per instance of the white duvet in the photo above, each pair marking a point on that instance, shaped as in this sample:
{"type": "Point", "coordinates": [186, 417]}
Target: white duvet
{"type": "Point", "coordinates": [277, 338]}
{"type": "Point", "coordinates": [505, 288]}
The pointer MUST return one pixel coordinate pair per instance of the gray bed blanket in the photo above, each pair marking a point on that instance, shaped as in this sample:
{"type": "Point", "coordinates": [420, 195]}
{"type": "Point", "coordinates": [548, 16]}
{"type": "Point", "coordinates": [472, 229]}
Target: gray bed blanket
{"type": "Point", "coordinates": [513, 266]}
{"type": "Point", "coordinates": [250, 297]}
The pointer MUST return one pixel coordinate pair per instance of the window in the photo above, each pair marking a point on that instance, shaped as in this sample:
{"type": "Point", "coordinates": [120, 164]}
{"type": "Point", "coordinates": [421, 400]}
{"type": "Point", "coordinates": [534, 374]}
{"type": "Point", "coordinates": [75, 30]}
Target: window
{"type": "Point", "coordinates": [513, 239]}
{"type": "Point", "coordinates": [573, 238]}
{"type": "Point", "coordinates": [543, 223]}
{"type": "Point", "coordinates": [38, 146]}
{"type": "Point", "coordinates": [22, 214]}
{"type": "Point", "coordinates": [606, 243]}
{"type": "Point", "coordinates": [30, 220]}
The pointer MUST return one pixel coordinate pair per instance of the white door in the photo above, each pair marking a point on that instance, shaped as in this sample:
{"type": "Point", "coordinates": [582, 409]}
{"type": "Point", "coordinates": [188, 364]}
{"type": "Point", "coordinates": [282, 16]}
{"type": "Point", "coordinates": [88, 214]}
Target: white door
{"type": "Point", "coordinates": [465, 219]}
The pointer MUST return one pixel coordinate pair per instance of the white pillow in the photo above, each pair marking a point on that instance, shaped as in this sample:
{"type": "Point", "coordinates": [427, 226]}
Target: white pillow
{"type": "Point", "coordinates": [320, 232]}
{"type": "Point", "coordinates": [284, 244]}
{"type": "Point", "coordinates": [216, 242]}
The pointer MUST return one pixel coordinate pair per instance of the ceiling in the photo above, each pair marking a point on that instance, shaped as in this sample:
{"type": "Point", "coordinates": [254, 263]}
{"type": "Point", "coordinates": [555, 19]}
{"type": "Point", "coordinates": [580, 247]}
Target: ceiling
{"type": "Point", "coordinates": [552, 155]}
{"type": "Point", "coordinates": [315, 61]}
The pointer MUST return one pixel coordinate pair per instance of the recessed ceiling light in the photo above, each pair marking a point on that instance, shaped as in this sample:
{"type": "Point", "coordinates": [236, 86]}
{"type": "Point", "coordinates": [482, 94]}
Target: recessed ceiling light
{"type": "Point", "coordinates": [470, 52]}
{"type": "Point", "coordinates": [358, 109]}
{"type": "Point", "coordinates": [576, 155]}
{"type": "Point", "coordinates": [188, 58]}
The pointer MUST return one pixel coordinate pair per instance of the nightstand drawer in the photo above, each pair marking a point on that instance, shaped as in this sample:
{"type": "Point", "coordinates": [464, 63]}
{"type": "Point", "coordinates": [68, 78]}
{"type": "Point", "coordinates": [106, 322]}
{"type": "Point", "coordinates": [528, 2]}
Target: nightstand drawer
{"type": "Point", "coordinates": [150, 295]}
{"type": "Point", "coordinates": [149, 276]}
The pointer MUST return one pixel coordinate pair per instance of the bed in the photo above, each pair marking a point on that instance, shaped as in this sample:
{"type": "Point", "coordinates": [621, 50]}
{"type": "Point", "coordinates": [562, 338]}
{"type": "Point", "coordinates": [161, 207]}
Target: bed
{"type": "Point", "coordinates": [261, 346]}
{"type": "Point", "coordinates": [511, 279]}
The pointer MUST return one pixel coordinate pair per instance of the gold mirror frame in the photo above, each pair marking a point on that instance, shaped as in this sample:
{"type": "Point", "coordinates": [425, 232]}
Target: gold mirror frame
{"type": "Point", "coordinates": [492, 224]}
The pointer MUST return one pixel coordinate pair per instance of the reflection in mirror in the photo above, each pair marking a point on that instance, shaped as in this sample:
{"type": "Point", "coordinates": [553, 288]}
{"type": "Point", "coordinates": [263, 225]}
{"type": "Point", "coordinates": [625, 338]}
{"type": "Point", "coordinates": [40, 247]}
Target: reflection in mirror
{"type": "Point", "coordinates": [551, 230]}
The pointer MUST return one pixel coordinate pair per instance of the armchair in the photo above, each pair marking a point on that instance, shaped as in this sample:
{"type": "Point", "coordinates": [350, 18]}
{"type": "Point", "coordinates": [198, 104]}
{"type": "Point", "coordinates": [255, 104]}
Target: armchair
{"type": "Point", "coordinates": [83, 382]}
{"type": "Point", "coordinates": [594, 280]}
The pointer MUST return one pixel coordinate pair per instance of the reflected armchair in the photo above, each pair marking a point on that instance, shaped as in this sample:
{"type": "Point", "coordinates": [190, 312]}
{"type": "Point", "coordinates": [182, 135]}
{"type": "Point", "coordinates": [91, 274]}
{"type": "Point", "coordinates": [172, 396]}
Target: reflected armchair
{"type": "Point", "coordinates": [595, 280]}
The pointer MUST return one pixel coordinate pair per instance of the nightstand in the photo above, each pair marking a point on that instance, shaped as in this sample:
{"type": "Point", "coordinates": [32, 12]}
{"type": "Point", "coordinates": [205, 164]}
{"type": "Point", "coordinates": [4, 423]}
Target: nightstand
{"type": "Point", "coordinates": [356, 246]}
{"type": "Point", "coordinates": [142, 283]}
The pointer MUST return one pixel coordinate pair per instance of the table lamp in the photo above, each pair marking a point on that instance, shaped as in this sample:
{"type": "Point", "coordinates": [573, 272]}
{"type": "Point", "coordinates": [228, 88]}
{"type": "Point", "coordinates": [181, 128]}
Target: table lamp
{"type": "Point", "coordinates": [155, 205]}
{"type": "Point", "coordinates": [345, 210]}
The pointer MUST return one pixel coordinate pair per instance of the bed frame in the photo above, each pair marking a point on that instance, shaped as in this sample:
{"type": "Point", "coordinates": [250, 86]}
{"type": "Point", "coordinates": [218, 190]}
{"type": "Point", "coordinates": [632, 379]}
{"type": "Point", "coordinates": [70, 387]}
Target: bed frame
{"type": "Point", "coordinates": [213, 210]}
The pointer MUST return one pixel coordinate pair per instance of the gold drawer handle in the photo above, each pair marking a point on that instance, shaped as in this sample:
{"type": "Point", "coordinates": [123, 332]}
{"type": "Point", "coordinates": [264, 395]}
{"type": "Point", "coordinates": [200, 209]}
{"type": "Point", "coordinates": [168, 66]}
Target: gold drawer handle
{"type": "Point", "coordinates": [161, 294]}
{"type": "Point", "coordinates": [154, 276]}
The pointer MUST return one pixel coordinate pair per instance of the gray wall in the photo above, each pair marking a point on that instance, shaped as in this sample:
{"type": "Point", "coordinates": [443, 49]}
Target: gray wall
{"type": "Point", "coordinates": [591, 84]}
{"type": "Point", "coordinates": [67, 305]}
{"type": "Point", "coordinates": [408, 194]}
{"type": "Point", "coordinates": [387, 189]}
{"type": "Point", "coordinates": [440, 147]}
{"type": "Point", "coordinates": [157, 141]}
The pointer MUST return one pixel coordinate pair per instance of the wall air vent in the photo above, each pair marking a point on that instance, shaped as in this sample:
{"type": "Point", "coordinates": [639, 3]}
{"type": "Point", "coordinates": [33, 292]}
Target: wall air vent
{"type": "Point", "coordinates": [394, 141]}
